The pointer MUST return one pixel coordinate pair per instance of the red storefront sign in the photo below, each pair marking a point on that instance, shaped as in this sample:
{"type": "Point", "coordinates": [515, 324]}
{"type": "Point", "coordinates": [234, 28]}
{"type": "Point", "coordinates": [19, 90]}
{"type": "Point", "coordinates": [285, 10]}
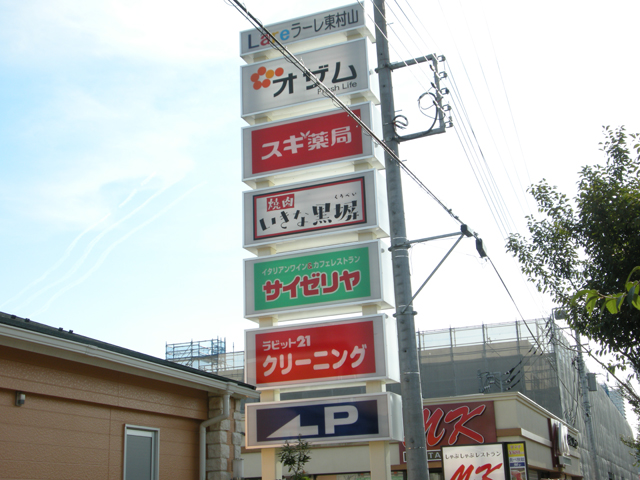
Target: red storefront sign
{"type": "Point", "coordinates": [459, 424]}
{"type": "Point", "coordinates": [305, 142]}
{"type": "Point", "coordinates": [469, 423]}
{"type": "Point", "coordinates": [321, 352]}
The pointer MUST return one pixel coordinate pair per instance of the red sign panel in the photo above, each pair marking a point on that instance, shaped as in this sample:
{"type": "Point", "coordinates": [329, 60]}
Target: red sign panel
{"type": "Point", "coordinates": [447, 424]}
{"type": "Point", "coordinates": [459, 424]}
{"type": "Point", "coordinates": [305, 142]}
{"type": "Point", "coordinates": [280, 202]}
{"type": "Point", "coordinates": [315, 352]}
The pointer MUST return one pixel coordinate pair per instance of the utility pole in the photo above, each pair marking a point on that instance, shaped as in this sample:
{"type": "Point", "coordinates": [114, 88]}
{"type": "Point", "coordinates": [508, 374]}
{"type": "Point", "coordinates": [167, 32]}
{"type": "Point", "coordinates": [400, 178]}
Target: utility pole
{"type": "Point", "coordinates": [415, 439]}
{"type": "Point", "coordinates": [586, 405]}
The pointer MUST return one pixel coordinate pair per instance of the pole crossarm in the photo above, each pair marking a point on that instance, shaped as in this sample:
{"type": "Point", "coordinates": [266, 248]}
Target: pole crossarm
{"type": "Point", "coordinates": [460, 237]}
{"type": "Point", "coordinates": [438, 102]}
{"type": "Point", "coordinates": [464, 230]}
{"type": "Point", "coordinates": [426, 133]}
{"type": "Point", "coordinates": [408, 63]}
{"type": "Point", "coordinates": [422, 240]}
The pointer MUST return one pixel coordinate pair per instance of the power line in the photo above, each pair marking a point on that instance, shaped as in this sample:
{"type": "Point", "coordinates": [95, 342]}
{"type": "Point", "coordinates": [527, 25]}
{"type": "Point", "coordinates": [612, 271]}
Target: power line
{"type": "Point", "coordinates": [472, 150]}
{"type": "Point", "coordinates": [275, 43]}
{"type": "Point", "coordinates": [526, 325]}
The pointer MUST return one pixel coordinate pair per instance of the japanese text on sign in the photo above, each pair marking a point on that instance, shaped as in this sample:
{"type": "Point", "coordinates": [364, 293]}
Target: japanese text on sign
{"type": "Point", "coordinates": [304, 28]}
{"type": "Point", "coordinates": [473, 462]}
{"type": "Point", "coordinates": [328, 205]}
{"type": "Point", "coordinates": [305, 142]}
{"type": "Point", "coordinates": [315, 352]}
{"type": "Point", "coordinates": [265, 78]}
{"type": "Point", "coordinates": [275, 84]}
{"type": "Point", "coordinates": [310, 279]}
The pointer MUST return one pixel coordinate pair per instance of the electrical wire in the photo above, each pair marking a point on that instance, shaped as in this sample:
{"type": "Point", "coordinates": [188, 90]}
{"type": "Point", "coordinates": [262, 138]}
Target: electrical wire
{"type": "Point", "coordinates": [497, 116]}
{"type": "Point", "coordinates": [526, 325]}
{"type": "Point", "coordinates": [506, 96]}
{"type": "Point", "coordinates": [471, 146]}
{"type": "Point", "coordinates": [392, 46]}
{"type": "Point", "coordinates": [484, 177]}
{"type": "Point", "coordinates": [473, 152]}
{"type": "Point", "coordinates": [275, 43]}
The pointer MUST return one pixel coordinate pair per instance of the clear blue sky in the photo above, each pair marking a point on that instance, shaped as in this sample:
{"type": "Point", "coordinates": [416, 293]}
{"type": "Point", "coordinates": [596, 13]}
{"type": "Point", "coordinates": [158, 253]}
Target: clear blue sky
{"type": "Point", "coordinates": [120, 190]}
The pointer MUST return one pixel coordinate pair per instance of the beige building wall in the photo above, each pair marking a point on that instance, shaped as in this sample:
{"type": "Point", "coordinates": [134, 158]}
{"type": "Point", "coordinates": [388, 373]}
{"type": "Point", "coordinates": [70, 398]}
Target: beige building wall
{"type": "Point", "coordinates": [72, 423]}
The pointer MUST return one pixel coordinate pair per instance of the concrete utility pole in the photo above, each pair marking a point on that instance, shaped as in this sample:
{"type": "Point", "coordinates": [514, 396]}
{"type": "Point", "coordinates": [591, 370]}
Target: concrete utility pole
{"type": "Point", "coordinates": [415, 439]}
{"type": "Point", "coordinates": [586, 405]}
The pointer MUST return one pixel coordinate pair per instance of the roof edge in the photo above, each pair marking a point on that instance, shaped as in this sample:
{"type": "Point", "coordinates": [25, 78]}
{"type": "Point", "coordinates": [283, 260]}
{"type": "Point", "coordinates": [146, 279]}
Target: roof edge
{"type": "Point", "coordinates": [25, 334]}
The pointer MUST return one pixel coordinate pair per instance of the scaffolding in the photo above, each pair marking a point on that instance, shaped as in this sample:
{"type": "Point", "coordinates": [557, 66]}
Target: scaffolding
{"type": "Point", "coordinates": [536, 359]}
{"type": "Point", "coordinates": [532, 357]}
{"type": "Point", "coordinates": [208, 355]}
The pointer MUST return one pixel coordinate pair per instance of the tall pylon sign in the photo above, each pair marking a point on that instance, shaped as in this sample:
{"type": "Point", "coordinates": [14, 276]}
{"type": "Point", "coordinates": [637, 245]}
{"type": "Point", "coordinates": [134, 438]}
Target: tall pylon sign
{"type": "Point", "coordinates": [316, 219]}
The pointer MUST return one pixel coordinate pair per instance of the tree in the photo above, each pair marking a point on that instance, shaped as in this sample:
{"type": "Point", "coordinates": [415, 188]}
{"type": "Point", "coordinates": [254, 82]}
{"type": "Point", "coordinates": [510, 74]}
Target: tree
{"type": "Point", "coordinates": [295, 457]}
{"type": "Point", "coordinates": [584, 251]}
{"type": "Point", "coordinates": [590, 243]}
{"type": "Point", "coordinates": [614, 302]}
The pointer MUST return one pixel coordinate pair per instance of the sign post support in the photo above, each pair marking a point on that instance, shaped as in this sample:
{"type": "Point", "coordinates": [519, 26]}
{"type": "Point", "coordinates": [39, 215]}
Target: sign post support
{"type": "Point", "coordinates": [379, 453]}
{"type": "Point", "coordinates": [270, 466]}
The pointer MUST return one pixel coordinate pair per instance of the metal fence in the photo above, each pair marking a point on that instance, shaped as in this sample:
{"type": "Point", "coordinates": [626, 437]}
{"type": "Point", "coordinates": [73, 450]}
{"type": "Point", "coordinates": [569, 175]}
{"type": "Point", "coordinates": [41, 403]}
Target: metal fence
{"type": "Point", "coordinates": [208, 355]}
{"type": "Point", "coordinates": [533, 357]}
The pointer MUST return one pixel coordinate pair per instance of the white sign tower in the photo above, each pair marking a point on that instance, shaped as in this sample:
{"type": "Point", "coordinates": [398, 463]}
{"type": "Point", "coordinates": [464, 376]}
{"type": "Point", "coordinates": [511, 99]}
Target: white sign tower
{"type": "Point", "coordinates": [315, 219]}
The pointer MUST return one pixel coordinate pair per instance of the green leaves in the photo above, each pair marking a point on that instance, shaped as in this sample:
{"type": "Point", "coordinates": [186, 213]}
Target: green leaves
{"type": "Point", "coordinates": [613, 302]}
{"type": "Point", "coordinates": [581, 249]}
{"type": "Point", "coordinates": [295, 457]}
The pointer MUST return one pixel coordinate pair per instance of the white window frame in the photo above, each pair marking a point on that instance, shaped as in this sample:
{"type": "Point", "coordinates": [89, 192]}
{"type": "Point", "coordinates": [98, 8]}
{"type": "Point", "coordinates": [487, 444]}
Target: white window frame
{"type": "Point", "coordinates": [154, 434]}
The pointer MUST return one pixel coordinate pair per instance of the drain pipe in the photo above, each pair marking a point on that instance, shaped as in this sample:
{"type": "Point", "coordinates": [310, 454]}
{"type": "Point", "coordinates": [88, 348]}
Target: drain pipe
{"type": "Point", "coordinates": [203, 432]}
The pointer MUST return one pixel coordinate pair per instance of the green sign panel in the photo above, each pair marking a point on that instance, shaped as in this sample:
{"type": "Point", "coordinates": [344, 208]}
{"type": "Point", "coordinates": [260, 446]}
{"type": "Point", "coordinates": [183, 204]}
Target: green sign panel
{"type": "Point", "coordinates": [333, 276]}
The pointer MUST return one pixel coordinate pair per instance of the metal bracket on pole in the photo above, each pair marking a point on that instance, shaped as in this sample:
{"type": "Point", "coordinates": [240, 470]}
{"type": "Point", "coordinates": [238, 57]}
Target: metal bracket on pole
{"type": "Point", "coordinates": [465, 231]}
{"type": "Point", "coordinates": [434, 271]}
{"type": "Point", "coordinates": [438, 96]}
{"type": "Point", "coordinates": [408, 63]}
{"type": "Point", "coordinates": [426, 133]}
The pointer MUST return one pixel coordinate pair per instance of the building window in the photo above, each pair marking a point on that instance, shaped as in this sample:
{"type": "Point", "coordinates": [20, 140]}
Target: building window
{"type": "Point", "coordinates": [141, 452]}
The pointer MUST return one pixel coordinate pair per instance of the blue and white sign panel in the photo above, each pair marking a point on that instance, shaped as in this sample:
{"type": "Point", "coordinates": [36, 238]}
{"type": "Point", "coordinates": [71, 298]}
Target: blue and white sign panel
{"type": "Point", "coordinates": [359, 418]}
{"type": "Point", "coordinates": [312, 31]}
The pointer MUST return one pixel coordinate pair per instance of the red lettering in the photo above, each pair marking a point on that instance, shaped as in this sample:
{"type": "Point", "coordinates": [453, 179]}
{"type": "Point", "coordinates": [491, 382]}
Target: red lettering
{"type": "Point", "coordinates": [464, 415]}
{"type": "Point", "coordinates": [461, 474]}
{"type": "Point", "coordinates": [431, 424]}
{"type": "Point", "coordinates": [488, 469]}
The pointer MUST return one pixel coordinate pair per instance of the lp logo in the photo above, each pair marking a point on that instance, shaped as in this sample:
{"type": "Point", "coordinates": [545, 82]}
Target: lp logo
{"type": "Point", "coordinates": [333, 416]}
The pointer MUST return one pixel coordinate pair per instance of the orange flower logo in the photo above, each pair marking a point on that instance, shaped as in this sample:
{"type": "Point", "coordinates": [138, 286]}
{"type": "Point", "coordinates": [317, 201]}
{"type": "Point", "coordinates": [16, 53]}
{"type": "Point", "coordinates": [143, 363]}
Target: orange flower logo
{"type": "Point", "coordinates": [257, 80]}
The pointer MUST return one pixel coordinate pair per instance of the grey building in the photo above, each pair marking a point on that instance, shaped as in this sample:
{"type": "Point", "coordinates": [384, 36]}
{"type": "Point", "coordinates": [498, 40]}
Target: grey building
{"type": "Point", "coordinates": [534, 358]}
